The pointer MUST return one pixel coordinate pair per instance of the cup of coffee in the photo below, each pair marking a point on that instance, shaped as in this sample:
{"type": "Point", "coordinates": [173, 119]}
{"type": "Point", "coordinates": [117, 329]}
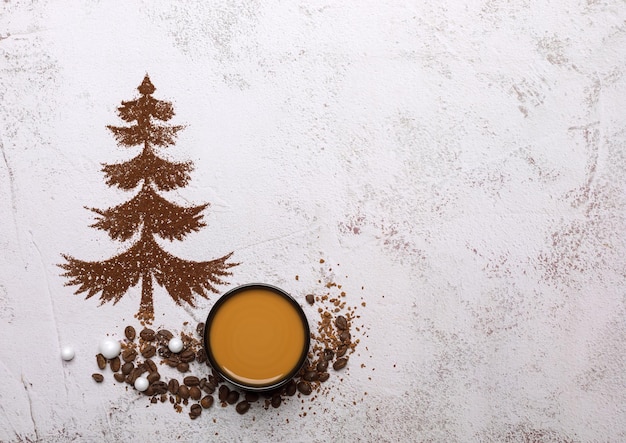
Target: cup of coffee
{"type": "Point", "coordinates": [257, 337]}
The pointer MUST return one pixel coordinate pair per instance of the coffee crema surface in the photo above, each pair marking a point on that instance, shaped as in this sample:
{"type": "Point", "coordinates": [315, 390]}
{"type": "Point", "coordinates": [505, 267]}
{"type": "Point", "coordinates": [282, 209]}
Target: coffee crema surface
{"type": "Point", "coordinates": [257, 337]}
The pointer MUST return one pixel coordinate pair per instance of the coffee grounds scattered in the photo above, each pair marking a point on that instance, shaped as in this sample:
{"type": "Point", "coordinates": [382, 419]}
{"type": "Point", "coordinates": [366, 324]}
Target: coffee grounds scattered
{"type": "Point", "coordinates": [330, 350]}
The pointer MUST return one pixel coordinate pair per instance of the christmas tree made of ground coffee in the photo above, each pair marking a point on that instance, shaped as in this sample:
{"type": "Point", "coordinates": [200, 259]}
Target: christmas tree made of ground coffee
{"type": "Point", "coordinates": [145, 215]}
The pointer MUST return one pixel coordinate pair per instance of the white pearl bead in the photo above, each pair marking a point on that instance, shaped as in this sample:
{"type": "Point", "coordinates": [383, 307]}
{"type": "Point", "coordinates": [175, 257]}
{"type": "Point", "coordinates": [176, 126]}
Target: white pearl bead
{"type": "Point", "coordinates": [175, 345]}
{"type": "Point", "coordinates": [141, 384]}
{"type": "Point", "coordinates": [67, 353]}
{"type": "Point", "coordinates": [110, 348]}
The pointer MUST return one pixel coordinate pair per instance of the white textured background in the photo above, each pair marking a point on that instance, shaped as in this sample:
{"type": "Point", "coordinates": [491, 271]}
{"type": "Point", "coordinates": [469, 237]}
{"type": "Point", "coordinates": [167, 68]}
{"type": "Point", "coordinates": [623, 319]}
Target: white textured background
{"type": "Point", "coordinates": [464, 163]}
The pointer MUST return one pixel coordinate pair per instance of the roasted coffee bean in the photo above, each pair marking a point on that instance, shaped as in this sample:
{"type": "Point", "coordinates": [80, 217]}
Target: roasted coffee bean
{"type": "Point", "coordinates": [323, 376]}
{"type": "Point", "coordinates": [129, 354]}
{"type": "Point", "coordinates": [115, 364]}
{"type": "Point", "coordinates": [97, 377]}
{"type": "Point", "coordinates": [196, 409]}
{"type": "Point", "coordinates": [147, 334]}
{"type": "Point", "coordinates": [203, 382]}
{"type": "Point", "coordinates": [187, 356]}
{"type": "Point", "coordinates": [341, 322]}
{"type": "Point", "coordinates": [208, 388]}
{"type": "Point", "coordinates": [242, 407]}
{"type": "Point", "coordinates": [149, 392]}
{"type": "Point", "coordinates": [276, 400]}
{"type": "Point", "coordinates": [345, 337]}
{"type": "Point", "coordinates": [172, 361]}
{"type": "Point", "coordinates": [150, 365]}
{"type": "Point", "coordinates": [164, 352]}
{"type": "Point", "coordinates": [232, 398]}
{"type": "Point", "coordinates": [321, 366]}
{"type": "Point", "coordinates": [119, 377]}
{"type": "Point", "coordinates": [340, 363]}
{"type": "Point", "coordinates": [163, 336]}
{"type": "Point", "coordinates": [200, 329]}
{"type": "Point", "coordinates": [160, 387]}
{"type": "Point", "coordinates": [218, 378]}
{"type": "Point", "coordinates": [154, 376]}
{"type": "Point", "coordinates": [304, 387]}
{"type": "Point", "coordinates": [127, 367]}
{"type": "Point", "coordinates": [183, 391]}
{"type": "Point", "coordinates": [290, 388]}
{"type": "Point", "coordinates": [223, 393]}
{"type": "Point", "coordinates": [201, 356]}
{"type": "Point", "coordinates": [329, 354]}
{"type": "Point", "coordinates": [195, 392]}
{"type": "Point", "coordinates": [148, 351]}
{"type": "Point", "coordinates": [207, 401]}
{"type": "Point", "coordinates": [130, 333]}
{"type": "Point", "coordinates": [213, 380]}
{"type": "Point", "coordinates": [191, 380]}
{"type": "Point", "coordinates": [310, 299]}
{"type": "Point", "coordinates": [341, 350]}
{"type": "Point", "coordinates": [251, 397]}
{"type": "Point", "coordinates": [172, 386]}
{"type": "Point", "coordinates": [183, 367]}
{"type": "Point", "coordinates": [102, 362]}
{"type": "Point", "coordinates": [310, 376]}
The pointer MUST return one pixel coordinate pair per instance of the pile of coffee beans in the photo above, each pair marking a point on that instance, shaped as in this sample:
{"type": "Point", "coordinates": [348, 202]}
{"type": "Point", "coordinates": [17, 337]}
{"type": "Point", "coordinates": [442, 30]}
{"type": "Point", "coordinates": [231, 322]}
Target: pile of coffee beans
{"type": "Point", "coordinates": [194, 388]}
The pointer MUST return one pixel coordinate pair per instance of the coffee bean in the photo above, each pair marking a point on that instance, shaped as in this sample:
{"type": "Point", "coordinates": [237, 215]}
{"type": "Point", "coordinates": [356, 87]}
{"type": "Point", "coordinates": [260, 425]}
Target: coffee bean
{"type": "Point", "coordinates": [163, 336]}
{"type": "Point", "coordinates": [310, 376]}
{"type": "Point", "coordinates": [154, 376]}
{"type": "Point", "coordinates": [329, 354]}
{"type": "Point", "coordinates": [172, 361]}
{"type": "Point", "coordinates": [276, 400]}
{"type": "Point", "coordinates": [187, 356]}
{"type": "Point", "coordinates": [251, 397]}
{"type": "Point", "coordinates": [223, 393]}
{"type": "Point", "coordinates": [148, 351]}
{"type": "Point", "coordinates": [149, 392]}
{"type": "Point", "coordinates": [147, 334]}
{"type": "Point", "coordinates": [172, 386]}
{"type": "Point", "coordinates": [195, 392]}
{"type": "Point", "coordinates": [213, 380]}
{"type": "Point", "coordinates": [127, 367]}
{"type": "Point", "coordinates": [200, 329]}
{"type": "Point", "coordinates": [120, 378]}
{"type": "Point", "coordinates": [310, 299]}
{"type": "Point", "coordinates": [102, 362]}
{"type": "Point", "coordinates": [130, 333]}
{"type": "Point", "coordinates": [208, 388]}
{"type": "Point", "coordinates": [115, 364]}
{"type": "Point", "coordinates": [201, 356]}
{"type": "Point", "coordinates": [345, 337]}
{"type": "Point", "coordinates": [242, 407]}
{"type": "Point", "coordinates": [203, 382]}
{"type": "Point", "coordinates": [129, 354]}
{"type": "Point", "coordinates": [183, 391]}
{"type": "Point", "coordinates": [340, 363]}
{"type": "Point", "coordinates": [196, 409]}
{"type": "Point", "coordinates": [341, 322]}
{"type": "Point", "coordinates": [341, 351]}
{"type": "Point", "coordinates": [191, 380]}
{"type": "Point", "coordinates": [290, 388]}
{"type": "Point", "coordinates": [159, 387]}
{"type": "Point", "coordinates": [207, 401]}
{"type": "Point", "coordinates": [321, 366]}
{"type": "Point", "coordinates": [232, 398]}
{"type": "Point", "coordinates": [183, 367]}
{"type": "Point", "coordinates": [164, 352]}
{"type": "Point", "coordinates": [304, 387]}
{"type": "Point", "coordinates": [218, 378]}
{"type": "Point", "coordinates": [97, 377]}
{"type": "Point", "coordinates": [150, 365]}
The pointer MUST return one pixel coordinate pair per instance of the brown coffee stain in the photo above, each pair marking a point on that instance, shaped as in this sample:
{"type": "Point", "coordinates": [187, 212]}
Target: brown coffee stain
{"type": "Point", "coordinates": [147, 214]}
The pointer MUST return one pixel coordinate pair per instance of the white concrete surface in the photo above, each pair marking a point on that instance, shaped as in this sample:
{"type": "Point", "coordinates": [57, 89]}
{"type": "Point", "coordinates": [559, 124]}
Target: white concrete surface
{"type": "Point", "coordinates": [464, 163]}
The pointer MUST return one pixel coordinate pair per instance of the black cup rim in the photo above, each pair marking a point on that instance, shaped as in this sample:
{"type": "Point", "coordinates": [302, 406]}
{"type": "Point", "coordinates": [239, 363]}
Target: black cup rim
{"type": "Point", "coordinates": [305, 349]}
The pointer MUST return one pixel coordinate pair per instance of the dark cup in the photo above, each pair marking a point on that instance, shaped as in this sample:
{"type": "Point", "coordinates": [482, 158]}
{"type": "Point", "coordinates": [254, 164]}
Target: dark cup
{"type": "Point", "coordinates": [285, 319]}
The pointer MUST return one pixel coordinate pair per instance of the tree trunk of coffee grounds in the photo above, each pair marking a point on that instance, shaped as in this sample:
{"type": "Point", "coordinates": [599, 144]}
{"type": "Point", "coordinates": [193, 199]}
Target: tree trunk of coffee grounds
{"type": "Point", "coordinates": [147, 214]}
